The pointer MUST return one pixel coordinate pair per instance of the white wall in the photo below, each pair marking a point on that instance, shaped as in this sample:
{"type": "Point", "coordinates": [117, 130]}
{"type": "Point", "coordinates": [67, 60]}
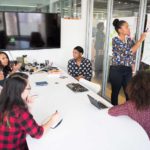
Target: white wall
{"type": "Point", "coordinates": [72, 34]}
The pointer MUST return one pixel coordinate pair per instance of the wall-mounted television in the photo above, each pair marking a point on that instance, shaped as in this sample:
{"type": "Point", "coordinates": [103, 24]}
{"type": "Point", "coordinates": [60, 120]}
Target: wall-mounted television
{"type": "Point", "coordinates": [23, 31]}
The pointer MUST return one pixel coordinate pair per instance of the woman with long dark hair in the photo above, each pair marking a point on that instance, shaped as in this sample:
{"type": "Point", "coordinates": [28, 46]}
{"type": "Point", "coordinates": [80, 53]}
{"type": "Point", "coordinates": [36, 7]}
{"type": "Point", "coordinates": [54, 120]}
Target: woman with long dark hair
{"type": "Point", "coordinates": [138, 107]}
{"type": "Point", "coordinates": [15, 119]}
{"type": "Point", "coordinates": [124, 50]}
{"type": "Point", "coordinates": [5, 67]}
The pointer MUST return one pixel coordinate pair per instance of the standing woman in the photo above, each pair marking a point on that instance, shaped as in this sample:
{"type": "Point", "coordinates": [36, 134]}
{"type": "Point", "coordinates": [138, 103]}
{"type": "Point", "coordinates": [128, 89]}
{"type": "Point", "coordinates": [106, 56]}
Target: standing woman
{"type": "Point", "coordinates": [123, 49]}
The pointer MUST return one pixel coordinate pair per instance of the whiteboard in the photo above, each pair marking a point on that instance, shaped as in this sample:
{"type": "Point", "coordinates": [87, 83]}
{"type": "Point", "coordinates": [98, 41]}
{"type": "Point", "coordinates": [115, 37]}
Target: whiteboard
{"type": "Point", "coordinates": [146, 49]}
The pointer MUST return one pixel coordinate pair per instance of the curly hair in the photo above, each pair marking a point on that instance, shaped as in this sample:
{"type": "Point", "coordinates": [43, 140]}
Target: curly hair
{"type": "Point", "coordinates": [139, 90]}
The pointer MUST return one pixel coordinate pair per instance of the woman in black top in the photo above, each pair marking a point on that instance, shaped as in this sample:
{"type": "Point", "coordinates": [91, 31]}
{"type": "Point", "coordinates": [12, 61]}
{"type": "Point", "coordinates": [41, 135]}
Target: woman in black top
{"type": "Point", "coordinates": [124, 50]}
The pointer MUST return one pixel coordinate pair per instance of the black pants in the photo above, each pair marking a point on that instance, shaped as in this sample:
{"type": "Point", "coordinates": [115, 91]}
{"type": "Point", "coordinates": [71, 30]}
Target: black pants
{"type": "Point", "coordinates": [119, 77]}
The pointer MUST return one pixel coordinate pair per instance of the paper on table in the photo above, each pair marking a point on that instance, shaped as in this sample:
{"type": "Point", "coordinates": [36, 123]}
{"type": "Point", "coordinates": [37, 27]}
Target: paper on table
{"type": "Point", "coordinates": [56, 74]}
{"type": "Point", "coordinates": [91, 86]}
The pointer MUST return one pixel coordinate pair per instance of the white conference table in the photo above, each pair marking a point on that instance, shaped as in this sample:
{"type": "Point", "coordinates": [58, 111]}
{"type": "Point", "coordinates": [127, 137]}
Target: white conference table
{"type": "Point", "coordinates": [84, 127]}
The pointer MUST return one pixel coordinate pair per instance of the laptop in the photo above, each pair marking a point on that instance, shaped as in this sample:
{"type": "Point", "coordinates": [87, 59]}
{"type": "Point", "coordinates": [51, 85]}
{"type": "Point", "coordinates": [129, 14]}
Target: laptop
{"type": "Point", "coordinates": [96, 103]}
{"type": "Point", "coordinates": [76, 87]}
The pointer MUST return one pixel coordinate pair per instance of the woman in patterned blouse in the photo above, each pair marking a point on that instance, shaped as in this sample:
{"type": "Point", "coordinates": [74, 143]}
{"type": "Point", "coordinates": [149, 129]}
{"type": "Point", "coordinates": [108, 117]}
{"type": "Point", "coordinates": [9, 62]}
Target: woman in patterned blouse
{"type": "Point", "coordinates": [124, 50]}
{"type": "Point", "coordinates": [15, 119]}
{"type": "Point", "coordinates": [80, 67]}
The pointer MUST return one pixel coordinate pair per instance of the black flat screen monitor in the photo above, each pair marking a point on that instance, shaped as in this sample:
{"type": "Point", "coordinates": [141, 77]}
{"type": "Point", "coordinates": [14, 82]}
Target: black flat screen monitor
{"type": "Point", "coordinates": [23, 31]}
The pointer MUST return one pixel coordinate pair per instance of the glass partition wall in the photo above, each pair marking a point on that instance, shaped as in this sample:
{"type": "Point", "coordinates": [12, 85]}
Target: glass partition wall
{"type": "Point", "coordinates": [104, 12]}
{"type": "Point", "coordinates": [98, 39]}
{"type": "Point", "coordinates": [25, 6]}
{"type": "Point", "coordinates": [67, 8]}
{"type": "Point", "coordinates": [128, 11]}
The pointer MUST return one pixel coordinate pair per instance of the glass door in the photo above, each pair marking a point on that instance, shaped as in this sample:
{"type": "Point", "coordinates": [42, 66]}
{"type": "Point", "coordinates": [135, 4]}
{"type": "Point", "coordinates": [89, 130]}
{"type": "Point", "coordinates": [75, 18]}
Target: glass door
{"type": "Point", "coordinates": [98, 38]}
{"type": "Point", "coordinates": [123, 10]}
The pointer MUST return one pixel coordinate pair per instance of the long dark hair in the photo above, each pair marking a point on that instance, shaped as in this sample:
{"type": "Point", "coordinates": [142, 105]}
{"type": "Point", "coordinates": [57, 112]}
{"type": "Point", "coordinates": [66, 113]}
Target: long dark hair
{"type": "Point", "coordinates": [6, 69]}
{"type": "Point", "coordinates": [139, 90]}
{"type": "Point", "coordinates": [11, 94]}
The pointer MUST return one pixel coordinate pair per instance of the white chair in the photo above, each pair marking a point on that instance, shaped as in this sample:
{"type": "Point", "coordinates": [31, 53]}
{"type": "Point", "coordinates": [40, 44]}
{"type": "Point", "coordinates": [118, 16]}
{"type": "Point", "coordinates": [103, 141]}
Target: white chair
{"type": "Point", "coordinates": [90, 85]}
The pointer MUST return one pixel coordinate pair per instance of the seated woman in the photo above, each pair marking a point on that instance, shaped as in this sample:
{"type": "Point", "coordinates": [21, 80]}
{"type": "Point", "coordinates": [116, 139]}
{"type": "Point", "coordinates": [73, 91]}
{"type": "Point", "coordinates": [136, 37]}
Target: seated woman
{"type": "Point", "coordinates": [80, 67]}
{"type": "Point", "coordinates": [138, 107]}
{"type": "Point", "coordinates": [5, 68]}
{"type": "Point", "coordinates": [15, 119]}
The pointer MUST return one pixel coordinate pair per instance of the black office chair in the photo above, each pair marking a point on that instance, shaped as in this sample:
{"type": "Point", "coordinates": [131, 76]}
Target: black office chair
{"type": "Point", "coordinates": [36, 40]}
{"type": "Point", "coordinates": [3, 39]}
